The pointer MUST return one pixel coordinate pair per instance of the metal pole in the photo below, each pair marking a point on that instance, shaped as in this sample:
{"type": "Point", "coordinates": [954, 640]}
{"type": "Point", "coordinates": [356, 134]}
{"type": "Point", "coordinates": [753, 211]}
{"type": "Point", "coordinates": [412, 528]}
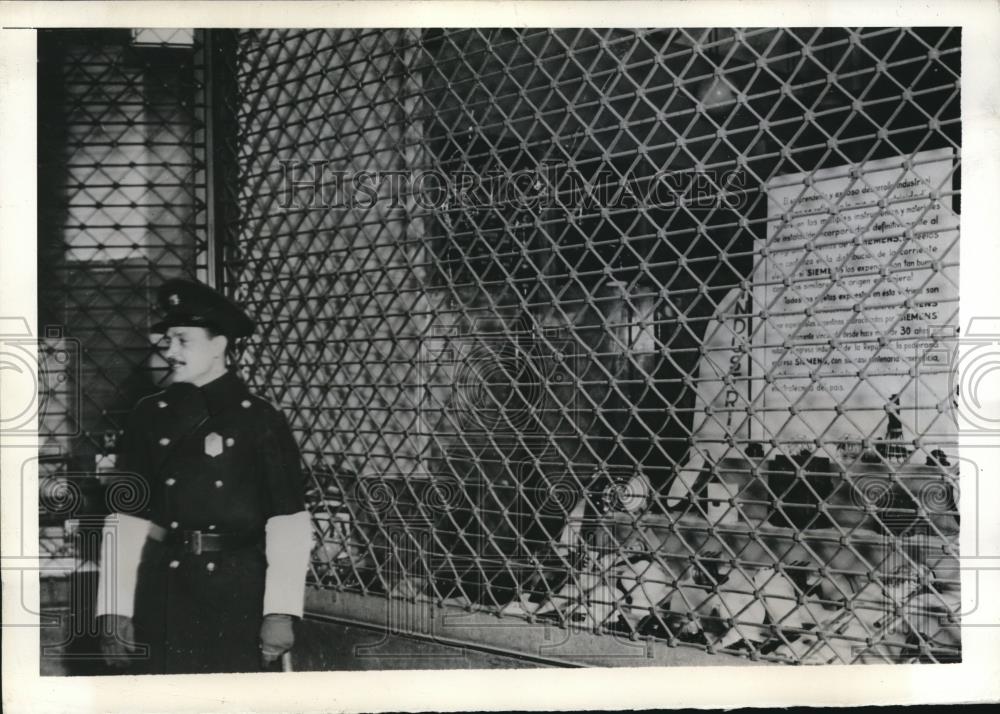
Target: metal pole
{"type": "Point", "coordinates": [214, 156]}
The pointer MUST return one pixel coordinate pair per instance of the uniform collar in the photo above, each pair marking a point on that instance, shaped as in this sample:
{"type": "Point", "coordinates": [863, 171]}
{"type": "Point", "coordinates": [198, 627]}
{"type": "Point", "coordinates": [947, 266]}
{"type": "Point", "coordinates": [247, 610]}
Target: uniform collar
{"type": "Point", "coordinates": [223, 392]}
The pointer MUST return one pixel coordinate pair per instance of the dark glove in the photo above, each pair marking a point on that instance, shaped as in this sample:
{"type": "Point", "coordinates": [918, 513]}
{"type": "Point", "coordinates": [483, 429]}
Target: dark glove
{"type": "Point", "coordinates": [117, 640]}
{"type": "Point", "coordinates": [276, 637]}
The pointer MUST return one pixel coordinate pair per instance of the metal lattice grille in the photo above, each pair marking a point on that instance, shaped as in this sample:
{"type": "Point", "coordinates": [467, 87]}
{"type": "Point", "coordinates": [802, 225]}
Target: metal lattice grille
{"type": "Point", "coordinates": [121, 208]}
{"type": "Point", "coordinates": [634, 331]}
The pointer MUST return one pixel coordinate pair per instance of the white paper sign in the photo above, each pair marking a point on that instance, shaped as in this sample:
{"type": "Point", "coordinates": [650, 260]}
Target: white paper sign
{"type": "Point", "coordinates": [857, 276]}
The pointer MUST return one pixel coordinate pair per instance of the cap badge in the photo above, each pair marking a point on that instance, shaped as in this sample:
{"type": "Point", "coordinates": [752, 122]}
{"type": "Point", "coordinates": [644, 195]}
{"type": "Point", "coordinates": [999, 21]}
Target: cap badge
{"type": "Point", "coordinates": [213, 445]}
{"type": "Point", "coordinates": [174, 299]}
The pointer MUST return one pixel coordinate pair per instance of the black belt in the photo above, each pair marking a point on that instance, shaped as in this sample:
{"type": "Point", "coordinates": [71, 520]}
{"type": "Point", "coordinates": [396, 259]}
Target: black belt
{"type": "Point", "coordinates": [198, 542]}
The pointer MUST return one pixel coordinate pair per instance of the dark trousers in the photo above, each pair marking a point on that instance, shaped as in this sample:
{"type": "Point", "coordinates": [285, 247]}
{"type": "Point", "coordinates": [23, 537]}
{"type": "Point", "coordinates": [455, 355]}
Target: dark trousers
{"type": "Point", "coordinates": [201, 615]}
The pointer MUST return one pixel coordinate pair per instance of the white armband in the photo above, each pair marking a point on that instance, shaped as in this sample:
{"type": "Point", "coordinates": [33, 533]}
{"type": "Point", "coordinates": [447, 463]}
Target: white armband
{"type": "Point", "coordinates": [121, 550]}
{"type": "Point", "coordinates": [288, 543]}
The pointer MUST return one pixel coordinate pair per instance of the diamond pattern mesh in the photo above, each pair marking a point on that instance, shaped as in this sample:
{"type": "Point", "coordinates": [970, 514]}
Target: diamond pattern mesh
{"type": "Point", "coordinates": [627, 330]}
{"type": "Point", "coordinates": [121, 197]}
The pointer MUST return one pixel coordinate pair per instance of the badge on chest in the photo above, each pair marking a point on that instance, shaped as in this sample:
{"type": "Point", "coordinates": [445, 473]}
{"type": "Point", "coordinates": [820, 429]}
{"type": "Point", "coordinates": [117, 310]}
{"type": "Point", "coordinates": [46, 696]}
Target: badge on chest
{"type": "Point", "coordinates": [213, 444]}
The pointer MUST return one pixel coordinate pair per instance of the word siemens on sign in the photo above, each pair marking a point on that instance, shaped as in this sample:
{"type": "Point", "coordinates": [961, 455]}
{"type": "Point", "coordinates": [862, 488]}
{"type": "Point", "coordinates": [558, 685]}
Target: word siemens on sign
{"type": "Point", "coordinates": [855, 281]}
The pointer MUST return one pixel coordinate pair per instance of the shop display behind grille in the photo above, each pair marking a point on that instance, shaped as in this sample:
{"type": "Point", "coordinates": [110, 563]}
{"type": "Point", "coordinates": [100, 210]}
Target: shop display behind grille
{"type": "Point", "coordinates": [624, 330]}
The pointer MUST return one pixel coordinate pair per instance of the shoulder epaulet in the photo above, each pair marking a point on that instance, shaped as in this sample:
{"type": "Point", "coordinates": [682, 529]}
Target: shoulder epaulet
{"type": "Point", "coordinates": [261, 401]}
{"type": "Point", "coordinates": [150, 400]}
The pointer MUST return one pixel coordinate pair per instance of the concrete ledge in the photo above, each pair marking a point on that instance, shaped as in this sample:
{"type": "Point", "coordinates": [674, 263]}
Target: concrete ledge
{"type": "Point", "coordinates": [536, 644]}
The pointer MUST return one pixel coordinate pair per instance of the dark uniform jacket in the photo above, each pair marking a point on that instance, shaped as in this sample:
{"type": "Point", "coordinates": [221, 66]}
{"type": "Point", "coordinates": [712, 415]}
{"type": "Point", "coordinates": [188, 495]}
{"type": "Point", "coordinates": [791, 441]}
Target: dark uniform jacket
{"type": "Point", "coordinates": [215, 459]}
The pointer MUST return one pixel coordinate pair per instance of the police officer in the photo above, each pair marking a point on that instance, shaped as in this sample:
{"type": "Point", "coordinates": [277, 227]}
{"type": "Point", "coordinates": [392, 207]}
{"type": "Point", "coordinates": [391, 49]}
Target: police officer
{"type": "Point", "coordinates": [210, 575]}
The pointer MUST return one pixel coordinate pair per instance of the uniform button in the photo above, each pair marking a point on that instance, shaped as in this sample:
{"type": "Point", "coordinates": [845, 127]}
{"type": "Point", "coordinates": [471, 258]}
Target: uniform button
{"type": "Point", "coordinates": [210, 567]}
{"type": "Point", "coordinates": [230, 441]}
{"type": "Point", "coordinates": [171, 481]}
{"type": "Point", "coordinates": [218, 484]}
{"type": "Point", "coordinates": [174, 524]}
{"type": "Point", "coordinates": [164, 441]}
{"type": "Point", "coordinates": [245, 404]}
{"type": "Point", "coordinates": [174, 563]}
{"type": "Point", "coordinates": [161, 404]}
